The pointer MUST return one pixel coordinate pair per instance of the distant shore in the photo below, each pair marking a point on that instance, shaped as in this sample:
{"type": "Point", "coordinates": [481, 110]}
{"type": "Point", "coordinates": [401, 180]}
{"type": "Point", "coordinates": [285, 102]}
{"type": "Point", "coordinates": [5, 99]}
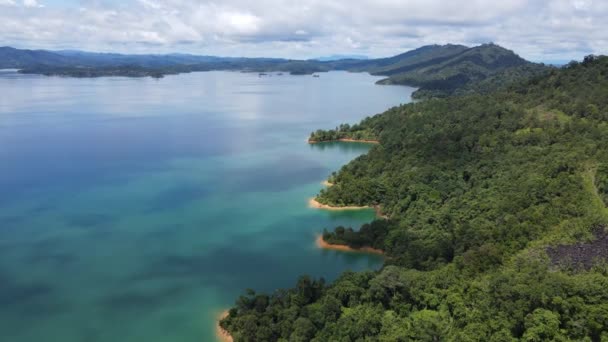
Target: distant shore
{"type": "Point", "coordinates": [344, 140]}
{"type": "Point", "coordinates": [222, 335]}
{"type": "Point", "coordinates": [322, 244]}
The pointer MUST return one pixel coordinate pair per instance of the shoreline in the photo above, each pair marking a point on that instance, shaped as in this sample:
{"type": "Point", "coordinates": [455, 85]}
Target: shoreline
{"type": "Point", "coordinates": [327, 183]}
{"type": "Point", "coordinates": [313, 203]}
{"type": "Point", "coordinates": [222, 335]}
{"type": "Point", "coordinates": [345, 140]}
{"type": "Point", "coordinates": [322, 244]}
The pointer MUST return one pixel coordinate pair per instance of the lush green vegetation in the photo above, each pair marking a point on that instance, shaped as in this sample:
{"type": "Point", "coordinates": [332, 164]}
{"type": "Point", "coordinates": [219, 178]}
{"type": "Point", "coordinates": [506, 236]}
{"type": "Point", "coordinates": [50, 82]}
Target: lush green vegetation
{"type": "Point", "coordinates": [491, 83]}
{"type": "Point", "coordinates": [477, 188]}
{"type": "Point", "coordinates": [369, 235]}
{"type": "Point", "coordinates": [408, 61]}
{"type": "Point", "coordinates": [463, 72]}
{"type": "Point", "coordinates": [344, 131]}
{"type": "Point", "coordinates": [442, 71]}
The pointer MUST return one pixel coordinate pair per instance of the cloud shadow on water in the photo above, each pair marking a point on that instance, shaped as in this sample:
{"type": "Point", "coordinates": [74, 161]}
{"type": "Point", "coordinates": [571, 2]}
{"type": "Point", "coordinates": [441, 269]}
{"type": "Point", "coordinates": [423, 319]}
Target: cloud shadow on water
{"type": "Point", "coordinates": [281, 175]}
{"type": "Point", "coordinates": [177, 196]}
{"type": "Point", "coordinates": [92, 220]}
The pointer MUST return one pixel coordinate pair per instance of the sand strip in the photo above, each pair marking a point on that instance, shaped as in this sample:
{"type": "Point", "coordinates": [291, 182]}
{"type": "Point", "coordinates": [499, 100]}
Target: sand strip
{"type": "Point", "coordinates": [222, 335]}
{"type": "Point", "coordinates": [327, 183]}
{"type": "Point", "coordinates": [314, 204]}
{"type": "Point", "coordinates": [344, 248]}
{"type": "Point", "coordinates": [345, 140]}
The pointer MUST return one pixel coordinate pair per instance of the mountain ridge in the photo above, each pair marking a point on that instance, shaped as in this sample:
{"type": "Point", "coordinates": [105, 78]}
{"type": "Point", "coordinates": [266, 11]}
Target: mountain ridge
{"type": "Point", "coordinates": [445, 76]}
{"type": "Point", "coordinates": [438, 70]}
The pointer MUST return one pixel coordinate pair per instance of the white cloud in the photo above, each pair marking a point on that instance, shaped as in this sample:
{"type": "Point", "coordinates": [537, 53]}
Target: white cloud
{"type": "Point", "coordinates": [581, 4]}
{"type": "Point", "coordinates": [31, 3]}
{"type": "Point", "coordinates": [150, 4]}
{"type": "Point", "coordinates": [537, 29]}
{"type": "Point", "coordinates": [239, 23]}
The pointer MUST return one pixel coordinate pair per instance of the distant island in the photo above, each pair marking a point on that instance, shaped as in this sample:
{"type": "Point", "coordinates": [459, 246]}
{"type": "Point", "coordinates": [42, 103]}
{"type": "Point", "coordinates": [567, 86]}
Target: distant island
{"type": "Point", "coordinates": [498, 202]}
{"type": "Point", "coordinates": [437, 70]}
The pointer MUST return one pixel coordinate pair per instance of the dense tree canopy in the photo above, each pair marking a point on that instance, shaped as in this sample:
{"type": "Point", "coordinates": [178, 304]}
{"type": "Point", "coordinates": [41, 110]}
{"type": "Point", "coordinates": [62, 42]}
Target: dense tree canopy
{"type": "Point", "coordinates": [476, 188]}
{"type": "Point", "coordinates": [472, 70]}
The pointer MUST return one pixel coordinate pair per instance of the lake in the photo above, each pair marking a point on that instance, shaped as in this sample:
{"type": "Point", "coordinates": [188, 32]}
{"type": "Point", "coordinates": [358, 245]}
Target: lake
{"type": "Point", "coordinates": [138, 209]}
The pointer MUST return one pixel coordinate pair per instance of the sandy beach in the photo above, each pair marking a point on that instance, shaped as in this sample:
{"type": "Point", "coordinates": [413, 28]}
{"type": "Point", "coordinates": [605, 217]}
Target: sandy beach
{"type": "Point", "coordinates": [314, 204]}
{"type": "Point", "coordinates": [324, 245]}
{"type": "Point", "coordinates": [222, 335]}
{"type": "Point", "coordinates": [345, 140]}
{"type": "Point", "coordinates": [327, 183]}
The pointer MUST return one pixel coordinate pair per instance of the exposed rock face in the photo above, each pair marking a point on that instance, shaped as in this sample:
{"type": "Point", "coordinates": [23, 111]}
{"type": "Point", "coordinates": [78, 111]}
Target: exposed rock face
{"type": "Point", "coordinates": [581, 255]}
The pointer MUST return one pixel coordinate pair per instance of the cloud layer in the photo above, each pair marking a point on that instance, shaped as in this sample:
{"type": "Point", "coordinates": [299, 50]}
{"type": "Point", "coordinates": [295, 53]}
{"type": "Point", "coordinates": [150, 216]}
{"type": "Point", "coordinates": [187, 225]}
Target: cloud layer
{"type": "Point", "coordinates": [536, 29]}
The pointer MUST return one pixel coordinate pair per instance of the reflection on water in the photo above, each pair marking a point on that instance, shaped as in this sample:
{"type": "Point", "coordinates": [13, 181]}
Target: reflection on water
{"type": "Point", "coordinates": [342, 146]}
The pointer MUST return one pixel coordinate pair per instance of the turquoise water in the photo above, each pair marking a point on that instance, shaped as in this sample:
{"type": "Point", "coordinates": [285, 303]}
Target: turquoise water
{"type": "Point", "coordinates": [138, 209]}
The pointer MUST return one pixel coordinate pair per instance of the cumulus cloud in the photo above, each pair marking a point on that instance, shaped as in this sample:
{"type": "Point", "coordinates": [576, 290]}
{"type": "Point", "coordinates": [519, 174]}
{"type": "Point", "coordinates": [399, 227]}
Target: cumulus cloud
{"type": "Point", "coordinates": [31, 3]}
{"type": "Point", "coordinates": [537, 29]}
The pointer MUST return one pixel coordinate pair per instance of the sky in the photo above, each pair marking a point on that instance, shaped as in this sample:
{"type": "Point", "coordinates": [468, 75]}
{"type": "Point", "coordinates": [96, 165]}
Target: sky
{"type": "Point", "coordinates": [538, 30]}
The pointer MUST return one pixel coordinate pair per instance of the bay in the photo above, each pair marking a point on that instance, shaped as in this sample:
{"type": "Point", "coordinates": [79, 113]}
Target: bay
{"type": "Point", "coordinates": [138, 209]}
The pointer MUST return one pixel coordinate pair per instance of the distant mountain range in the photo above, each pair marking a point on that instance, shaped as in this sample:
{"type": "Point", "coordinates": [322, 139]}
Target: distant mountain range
{"type": "Point", "coordinates": [438, 70]}
{"type": "Point", "coordinates": [339, 57]}
{"type": "Point", "coordinates": [18, 58]}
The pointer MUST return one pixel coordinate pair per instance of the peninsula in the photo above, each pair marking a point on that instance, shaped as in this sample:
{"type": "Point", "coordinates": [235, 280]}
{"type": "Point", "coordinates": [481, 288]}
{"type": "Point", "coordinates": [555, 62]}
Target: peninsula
{"type": "Point", "coordinates": [221, 333]}
{"type": "Point", "coordinates": [321, 243]}
{"type": "Point", "coordinates": [490, 195]}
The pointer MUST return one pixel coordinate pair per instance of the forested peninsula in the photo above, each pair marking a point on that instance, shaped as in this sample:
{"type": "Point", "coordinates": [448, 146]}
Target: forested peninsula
{"type": "Point", "coordinates": [497, 230]}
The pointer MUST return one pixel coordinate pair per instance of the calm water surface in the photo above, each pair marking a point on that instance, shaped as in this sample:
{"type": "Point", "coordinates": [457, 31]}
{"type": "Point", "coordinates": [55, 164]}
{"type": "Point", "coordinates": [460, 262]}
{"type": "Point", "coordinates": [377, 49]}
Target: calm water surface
{"type": "Point", "coordinates": [137, 209]}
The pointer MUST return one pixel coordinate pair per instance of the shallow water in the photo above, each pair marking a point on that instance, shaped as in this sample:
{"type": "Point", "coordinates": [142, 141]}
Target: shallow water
{"type": "Point", "coordinates": [137, 209]}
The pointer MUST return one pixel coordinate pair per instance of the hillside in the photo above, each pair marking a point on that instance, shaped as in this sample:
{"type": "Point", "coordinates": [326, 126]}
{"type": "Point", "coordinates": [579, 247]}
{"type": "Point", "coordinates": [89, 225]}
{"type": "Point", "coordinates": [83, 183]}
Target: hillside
{"type": "Point", "coordinates": [419, 58]}
{"type": "Point", "coordinates": [11, 58]}
{"type": "Point", "coordinates": [426, 55]}
{"type": "Point", "coordinates": [20, 58]}
{"type": "Point", "coordinates": [480, 191]}
{"type": "Point", "coordinates": [444, 76]}
{"type": "Point", "coordinates": [89, 64]}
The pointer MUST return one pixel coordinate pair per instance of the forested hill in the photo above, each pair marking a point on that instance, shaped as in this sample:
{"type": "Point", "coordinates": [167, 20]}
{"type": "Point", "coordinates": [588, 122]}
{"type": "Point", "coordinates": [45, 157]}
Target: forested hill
{"type": "Point", "coordinates": [417, 58]}
{"type": "Point", "coordinates": [458, 68]}
{"type": "Point", "coordinates": [11, 58]}
{"type": "Point", "coordinates": [439, 70]}
{"type": "Point", "coordinates": [478, 189]}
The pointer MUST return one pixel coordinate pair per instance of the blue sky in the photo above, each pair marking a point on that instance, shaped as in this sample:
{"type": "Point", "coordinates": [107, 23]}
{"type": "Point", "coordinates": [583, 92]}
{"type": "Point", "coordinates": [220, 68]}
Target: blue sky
{"type": "Point", "coordinates": [538, 30]}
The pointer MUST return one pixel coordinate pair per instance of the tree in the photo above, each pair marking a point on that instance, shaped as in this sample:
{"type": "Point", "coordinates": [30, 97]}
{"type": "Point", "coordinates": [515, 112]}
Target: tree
{"type": "Point", "coordinates": [542, 325]}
